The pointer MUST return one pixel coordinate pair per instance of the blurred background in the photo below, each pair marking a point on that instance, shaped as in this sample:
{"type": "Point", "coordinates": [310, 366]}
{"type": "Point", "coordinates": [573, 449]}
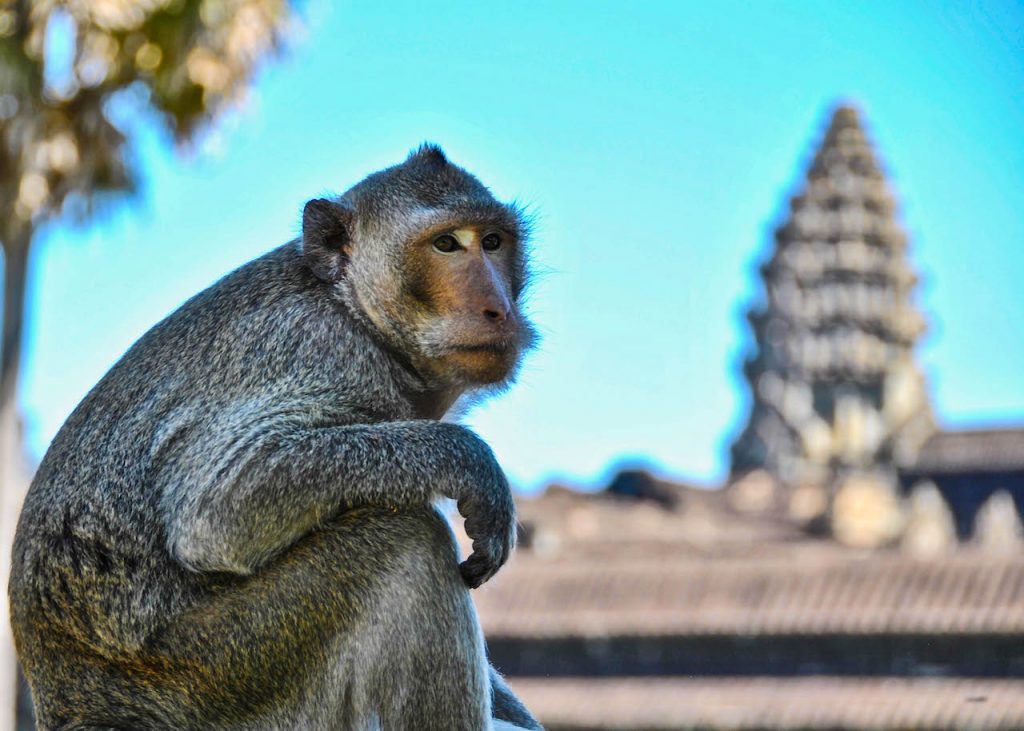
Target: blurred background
{"type": "Point", "coordinates": [770, 452]}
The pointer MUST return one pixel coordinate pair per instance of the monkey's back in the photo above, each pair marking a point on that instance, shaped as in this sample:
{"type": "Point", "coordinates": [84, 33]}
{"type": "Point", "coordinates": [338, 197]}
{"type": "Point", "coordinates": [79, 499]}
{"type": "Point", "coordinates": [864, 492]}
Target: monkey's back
{"type": "Point", "coordinates": [93, 581]}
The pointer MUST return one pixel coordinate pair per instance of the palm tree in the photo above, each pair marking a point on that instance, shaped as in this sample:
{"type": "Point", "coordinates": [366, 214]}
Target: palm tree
{"type": "Point", "coordinates": [64, 66]}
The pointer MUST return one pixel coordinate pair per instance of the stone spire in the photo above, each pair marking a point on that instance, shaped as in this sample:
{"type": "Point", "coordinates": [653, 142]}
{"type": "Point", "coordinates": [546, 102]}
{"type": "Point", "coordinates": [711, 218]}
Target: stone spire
{"type": "Point", "coordinates": [837, 396]}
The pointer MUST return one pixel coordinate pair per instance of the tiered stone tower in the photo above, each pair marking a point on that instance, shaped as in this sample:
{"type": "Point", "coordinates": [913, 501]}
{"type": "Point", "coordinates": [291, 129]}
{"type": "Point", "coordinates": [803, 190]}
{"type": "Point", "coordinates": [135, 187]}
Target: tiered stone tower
{"type": "Point", "coordinates": [838, 401]}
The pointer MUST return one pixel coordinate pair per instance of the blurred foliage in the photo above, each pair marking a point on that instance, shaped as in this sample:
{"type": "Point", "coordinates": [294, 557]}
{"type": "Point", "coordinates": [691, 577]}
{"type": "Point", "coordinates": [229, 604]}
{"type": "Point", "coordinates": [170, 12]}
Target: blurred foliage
{"type": "Point", "coordinates": [63, 61]}
{"type": "Point", "coordinates": [66, 66]}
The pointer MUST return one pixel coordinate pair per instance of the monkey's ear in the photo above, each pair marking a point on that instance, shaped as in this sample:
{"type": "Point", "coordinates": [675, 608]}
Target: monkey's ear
{"type": "Point", "coordinates": [326, 229]}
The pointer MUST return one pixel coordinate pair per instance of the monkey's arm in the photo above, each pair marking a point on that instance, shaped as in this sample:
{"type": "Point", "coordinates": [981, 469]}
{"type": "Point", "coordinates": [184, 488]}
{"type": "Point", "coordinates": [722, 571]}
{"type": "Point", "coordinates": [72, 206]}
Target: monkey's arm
{"type": "Point", "coordinates": [279, 486]}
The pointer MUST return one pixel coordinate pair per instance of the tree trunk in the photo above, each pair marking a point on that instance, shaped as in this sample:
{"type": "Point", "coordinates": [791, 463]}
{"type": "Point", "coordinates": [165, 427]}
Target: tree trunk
{"type": "Point", "coordinates": [15, 278]}
{"type": "Point", "coordinates": [14, 476]}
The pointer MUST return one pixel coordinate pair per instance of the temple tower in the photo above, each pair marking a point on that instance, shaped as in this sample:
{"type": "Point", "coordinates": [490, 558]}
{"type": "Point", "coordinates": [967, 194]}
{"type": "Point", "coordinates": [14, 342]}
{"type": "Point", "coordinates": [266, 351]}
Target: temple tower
{"type": "Point", "coordinates": [838, 401]}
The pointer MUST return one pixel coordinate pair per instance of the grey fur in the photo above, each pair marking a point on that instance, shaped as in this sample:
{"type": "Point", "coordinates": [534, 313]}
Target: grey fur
{"type": "Point", "coordinates": [234, 529]}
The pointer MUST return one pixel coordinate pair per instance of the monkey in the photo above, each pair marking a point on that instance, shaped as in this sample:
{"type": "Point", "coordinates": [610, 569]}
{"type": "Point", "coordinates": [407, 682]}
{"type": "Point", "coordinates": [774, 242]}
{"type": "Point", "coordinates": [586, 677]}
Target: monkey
{"type": "Point", "coordinates": [237, 528]}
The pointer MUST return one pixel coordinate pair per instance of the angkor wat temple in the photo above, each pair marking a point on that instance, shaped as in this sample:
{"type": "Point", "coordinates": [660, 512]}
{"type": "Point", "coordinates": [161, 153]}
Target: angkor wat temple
{"type": "Point", "coordinates": [862, 569]}
{"type": "Point", "coordinates": [840, 432]}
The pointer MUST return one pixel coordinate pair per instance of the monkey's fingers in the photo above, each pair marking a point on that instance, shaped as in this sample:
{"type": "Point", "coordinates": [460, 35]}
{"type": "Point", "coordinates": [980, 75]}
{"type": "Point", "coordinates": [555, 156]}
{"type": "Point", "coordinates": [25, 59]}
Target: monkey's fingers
{"type": "Point", "coordinates": [489, 555]}
{"type": "Point", "coordinates": [477, 569]}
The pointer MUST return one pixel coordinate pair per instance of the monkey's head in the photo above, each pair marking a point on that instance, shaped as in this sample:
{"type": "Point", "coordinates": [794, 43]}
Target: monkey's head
{"type": "Point", "coordinates": [433, 262]}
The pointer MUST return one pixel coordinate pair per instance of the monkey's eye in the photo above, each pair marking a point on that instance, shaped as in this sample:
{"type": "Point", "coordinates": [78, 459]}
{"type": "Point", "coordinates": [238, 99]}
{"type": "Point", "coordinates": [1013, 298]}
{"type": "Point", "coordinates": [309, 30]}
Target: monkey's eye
{"type": "Point", "coordinates": [491, 242]}
{"type": "Point", "coordinates": [446, 244]}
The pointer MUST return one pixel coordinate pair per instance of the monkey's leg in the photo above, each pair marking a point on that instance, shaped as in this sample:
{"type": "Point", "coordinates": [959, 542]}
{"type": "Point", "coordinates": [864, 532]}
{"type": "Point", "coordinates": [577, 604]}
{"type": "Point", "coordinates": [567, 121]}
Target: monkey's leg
{"type": "Point", "coordinates": [365, 618]}
{"type": "Point", "coordinates": [429, 667]}
{"type": "Point", "coordinates": [446, 649]}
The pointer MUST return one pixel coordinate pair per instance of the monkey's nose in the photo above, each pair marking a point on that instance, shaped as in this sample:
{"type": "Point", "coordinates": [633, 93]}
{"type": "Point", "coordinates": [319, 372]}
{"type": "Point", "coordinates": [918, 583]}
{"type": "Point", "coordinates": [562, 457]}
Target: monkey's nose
{"type": "Point", "coordinates": [495, 314]}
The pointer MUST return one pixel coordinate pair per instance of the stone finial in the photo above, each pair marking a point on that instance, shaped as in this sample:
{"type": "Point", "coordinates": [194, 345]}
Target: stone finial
{"type": "Point", "coordinates": [866, 512]}
{"type": "Point", "coordinates": [930, 529]}
{"type": "Point", "coordinates": [998, 525]}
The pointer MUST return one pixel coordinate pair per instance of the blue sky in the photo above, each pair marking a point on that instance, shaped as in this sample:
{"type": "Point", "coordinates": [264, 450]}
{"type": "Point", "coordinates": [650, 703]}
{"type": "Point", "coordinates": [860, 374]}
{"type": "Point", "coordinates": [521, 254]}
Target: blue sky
{"type": "Point", "coordinates": [658, 143]}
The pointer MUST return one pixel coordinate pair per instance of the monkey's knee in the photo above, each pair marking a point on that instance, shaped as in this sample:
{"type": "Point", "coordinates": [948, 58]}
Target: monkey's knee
{"type": "Point", "coordinates": [419, 567]}
{"type": "Point", "coordinates": [425, 652]}
{"type": "Point", "coordinates": [427, 542]}
{"type": "Point", "coordinates": [416, 543]}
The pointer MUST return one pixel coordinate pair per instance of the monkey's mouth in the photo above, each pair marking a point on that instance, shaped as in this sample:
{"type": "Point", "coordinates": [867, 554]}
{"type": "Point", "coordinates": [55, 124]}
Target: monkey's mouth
{"type": "Point", "coordinates": [482, 362]}
{"type": "Point", "coordinates": [492, 348]}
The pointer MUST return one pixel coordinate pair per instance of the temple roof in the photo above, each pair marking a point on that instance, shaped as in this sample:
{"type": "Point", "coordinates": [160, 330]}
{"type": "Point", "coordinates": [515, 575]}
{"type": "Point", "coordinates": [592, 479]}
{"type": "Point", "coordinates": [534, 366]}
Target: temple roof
{"type": "Point", "coordinates": [812, 592]}
{"type": "Point", "coordinates": [746, 704]}
{"type": "Point", "coordinates": [595, 565]}
{"type": "Point", "coordinates": [659, 605]}
{"type": "Point", "coordinates": [972, 450]}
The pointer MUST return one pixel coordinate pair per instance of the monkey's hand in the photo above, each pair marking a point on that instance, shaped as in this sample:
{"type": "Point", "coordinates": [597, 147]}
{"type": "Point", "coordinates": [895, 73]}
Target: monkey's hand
{"type": "Point", "coordinates": [485, 501]}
